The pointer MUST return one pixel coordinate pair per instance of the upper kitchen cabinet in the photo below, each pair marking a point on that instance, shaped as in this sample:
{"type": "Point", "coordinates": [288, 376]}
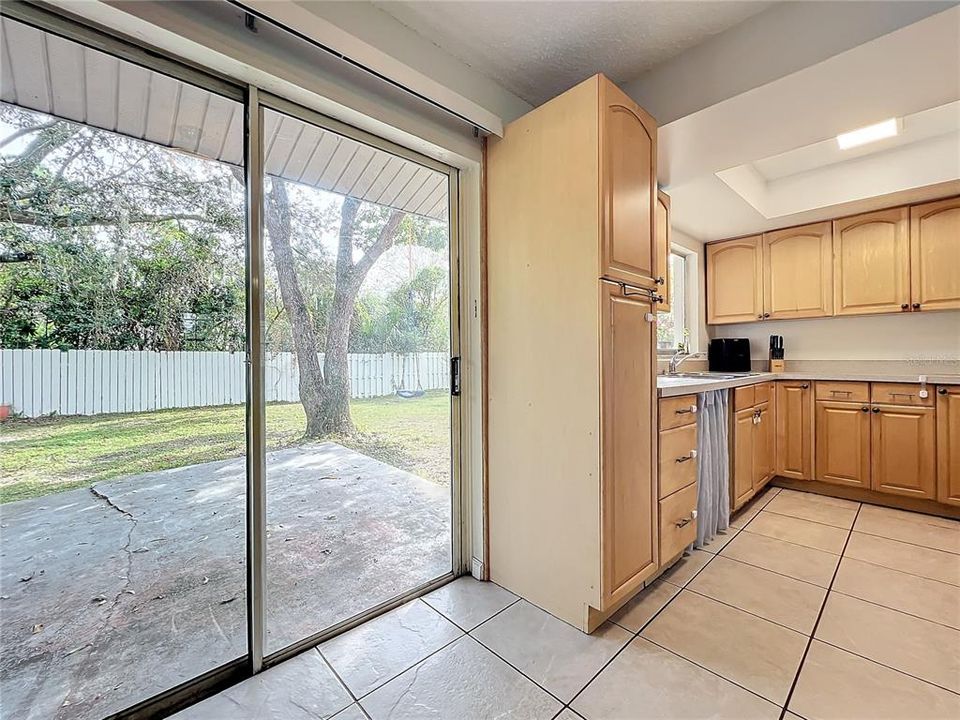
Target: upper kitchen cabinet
{"type": "Point", "coordinates": [871, 263]}
{"type": "Point", "coordinates": [628, 181]}
{"type": "Point", "coordinates": [935, 255]}
{"type": "Point", "coordinates": [734, 292]}
{"type": "Point", "coordinates": [798, 272]}
{"type": "Point", "coordinates": [663, 250]}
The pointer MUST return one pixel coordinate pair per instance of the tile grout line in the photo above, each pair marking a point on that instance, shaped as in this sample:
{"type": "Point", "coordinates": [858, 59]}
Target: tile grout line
{"type": "Point", "coordinates": [797, 517]}
{"type": "Point", "coordinates": [642, 628]}
{"type": "Point", "coordinates": [712, 672]}
{"type": "Point", "coordinates": [516, 599]}
{"type": "Point", "coordinates": [897, 610]}
{"type": "Point", "coordinates": [518, 670]}
{"type": "Point", "coordinates": [775, 572]}
{"type": "Point", "coordinates": [463, 634]}
{"type": "Point", "coordinates": [813, 632]}
{"type": "Point", "coordinates": [808, 547]}
{"type": "Point", "coordinates": [336, 675]}
{"type": "Point", "coordinates": [907, 542]}
{"type": "Point", "coordinates": [748, 612]}
{"type": "Point", "coordinates": [888, 667]}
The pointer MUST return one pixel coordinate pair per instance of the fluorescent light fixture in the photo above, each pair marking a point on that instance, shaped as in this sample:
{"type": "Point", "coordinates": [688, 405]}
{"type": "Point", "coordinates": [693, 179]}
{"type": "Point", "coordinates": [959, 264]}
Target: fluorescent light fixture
{"type": "Point", "coordinates": [868, 134]}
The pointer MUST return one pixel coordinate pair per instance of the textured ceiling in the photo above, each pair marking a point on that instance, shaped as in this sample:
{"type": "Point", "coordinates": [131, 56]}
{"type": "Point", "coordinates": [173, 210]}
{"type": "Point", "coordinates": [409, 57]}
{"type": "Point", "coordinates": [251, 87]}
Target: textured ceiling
{"type": "Point", "coordinates": [537, 50]}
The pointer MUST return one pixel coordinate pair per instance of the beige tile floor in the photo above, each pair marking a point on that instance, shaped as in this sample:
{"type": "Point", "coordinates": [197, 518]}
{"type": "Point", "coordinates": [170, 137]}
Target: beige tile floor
{"type": "Point", "coordinates": [808, 607]}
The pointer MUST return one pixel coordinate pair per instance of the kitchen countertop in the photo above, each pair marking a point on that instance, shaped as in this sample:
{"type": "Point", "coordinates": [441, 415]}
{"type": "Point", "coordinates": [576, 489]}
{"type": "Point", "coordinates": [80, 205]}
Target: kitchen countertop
{"type": "Point", "coordinates": [671, 386]}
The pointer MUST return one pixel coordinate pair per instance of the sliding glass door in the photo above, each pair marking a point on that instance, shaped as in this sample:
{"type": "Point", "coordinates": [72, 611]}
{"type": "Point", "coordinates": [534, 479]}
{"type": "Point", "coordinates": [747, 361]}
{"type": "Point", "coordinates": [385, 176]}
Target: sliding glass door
{"type": "Point", "coordinates": [122, 469]}
{"type": "Point", "coordinates": [357, 328]}
{"type": "Point", "coordinates": [226, 331]}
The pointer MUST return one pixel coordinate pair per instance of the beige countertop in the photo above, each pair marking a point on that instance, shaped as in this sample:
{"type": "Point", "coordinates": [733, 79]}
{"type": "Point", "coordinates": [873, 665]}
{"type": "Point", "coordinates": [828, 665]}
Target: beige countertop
{"type": "Point", "coordinates": [671, 386]}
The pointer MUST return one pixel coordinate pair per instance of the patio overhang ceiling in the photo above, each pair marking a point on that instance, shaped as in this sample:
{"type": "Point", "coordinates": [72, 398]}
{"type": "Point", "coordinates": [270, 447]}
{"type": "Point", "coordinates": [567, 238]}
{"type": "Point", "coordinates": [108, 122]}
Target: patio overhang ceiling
{"type": "Point", "coordinates": [59, 77]}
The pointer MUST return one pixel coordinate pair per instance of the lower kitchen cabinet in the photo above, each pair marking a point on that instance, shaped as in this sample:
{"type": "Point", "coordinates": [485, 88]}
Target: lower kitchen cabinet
{"type": "Point", "coordinates": [753, 451]}
{"type": "Point", "coordinates": [948, 444]}
{"type": "Point", "coordinates": [794, 434]}
{"type": "Point", "coordinates": [678, 475]}
{"type": "Point", "coordinates": [628, 491]}
{"type": "Point", "coordinates": [765, 450]}
{"type": "Point", "coordinates": [903, 449]}
{"type": "Point", "coordinates": [843, 443]}
{"type": "Point", "coordinates": [678, 521]}
{"type": "Point", "coordinates": [743, 440]}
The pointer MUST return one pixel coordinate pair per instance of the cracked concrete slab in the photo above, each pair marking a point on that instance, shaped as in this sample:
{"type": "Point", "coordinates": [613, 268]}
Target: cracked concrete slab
{"type": "Point", "coordinates": [139, 583]}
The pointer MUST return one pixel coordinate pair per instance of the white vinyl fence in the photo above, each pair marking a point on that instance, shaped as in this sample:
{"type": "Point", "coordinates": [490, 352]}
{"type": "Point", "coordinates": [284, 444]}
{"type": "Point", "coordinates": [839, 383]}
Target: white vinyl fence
{"type": "Point", "coordinates": [92, 382]}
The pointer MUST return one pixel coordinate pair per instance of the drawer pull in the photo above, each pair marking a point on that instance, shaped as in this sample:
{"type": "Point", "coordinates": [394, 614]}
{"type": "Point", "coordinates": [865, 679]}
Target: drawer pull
{"type": "Point", "coordinates": [684, 458]}
{"type": "Point", "coordinates": [687, 520]}
{"type": "Point", "coordinates": [841, 392]}
{"type": "Point", "coordinates": [684, 411]}
{"type": "Point", "coordinates": [906, 395]}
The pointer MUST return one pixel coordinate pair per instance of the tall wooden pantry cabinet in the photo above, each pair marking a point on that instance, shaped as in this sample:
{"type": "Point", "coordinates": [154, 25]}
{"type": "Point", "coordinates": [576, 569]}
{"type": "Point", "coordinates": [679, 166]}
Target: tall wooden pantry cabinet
{"type": "Point", "coordinates": [571, 330]}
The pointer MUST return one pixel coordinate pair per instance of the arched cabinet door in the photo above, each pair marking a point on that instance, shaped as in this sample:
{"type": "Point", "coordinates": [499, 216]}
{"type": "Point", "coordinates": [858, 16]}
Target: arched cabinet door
{"type": "Point", "coordinates": [935, 255]}
{"type": "Point", "coordinates": [628, 188]}
{"type": "Point", "coordinates": [798, 272]}
{"type": "Point", "coordinates": [734, 288]}
{"type": "Point", "coordinates": [871, 263]}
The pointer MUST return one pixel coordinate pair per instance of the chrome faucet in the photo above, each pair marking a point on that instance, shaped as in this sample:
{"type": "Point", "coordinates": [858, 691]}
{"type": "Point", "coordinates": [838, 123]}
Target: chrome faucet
{"type": "Point", "coordinates": [677, 360]}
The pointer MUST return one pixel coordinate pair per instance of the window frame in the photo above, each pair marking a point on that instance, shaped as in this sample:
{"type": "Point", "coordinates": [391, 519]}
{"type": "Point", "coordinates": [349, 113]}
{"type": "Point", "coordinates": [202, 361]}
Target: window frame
{"type": "Point", "coordinates": [689, 299]}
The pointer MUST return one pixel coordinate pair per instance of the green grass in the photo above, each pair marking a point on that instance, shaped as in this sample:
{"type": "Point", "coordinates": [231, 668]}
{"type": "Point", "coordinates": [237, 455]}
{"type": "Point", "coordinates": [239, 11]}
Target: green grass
{"type": "Point", "coordinates": [46, 455]}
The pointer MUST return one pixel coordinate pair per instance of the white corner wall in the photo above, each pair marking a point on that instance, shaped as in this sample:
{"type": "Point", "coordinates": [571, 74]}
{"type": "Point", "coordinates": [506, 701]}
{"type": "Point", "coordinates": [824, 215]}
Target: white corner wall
{"type": "Point", "coordinates": [772, 44]}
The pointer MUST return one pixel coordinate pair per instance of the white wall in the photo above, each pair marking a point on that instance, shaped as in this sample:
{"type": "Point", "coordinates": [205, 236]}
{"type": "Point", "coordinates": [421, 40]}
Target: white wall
{"type": "Point", "coordinates": [926, 336]}
{"type": "Point", "coordinates": [365, 21]}
{"type": "Point", "coordinates": [772, 44]}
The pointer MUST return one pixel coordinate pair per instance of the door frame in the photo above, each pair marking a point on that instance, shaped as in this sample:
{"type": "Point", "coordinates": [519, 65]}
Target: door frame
{"type": "Point", "coordinates": [258, 102]}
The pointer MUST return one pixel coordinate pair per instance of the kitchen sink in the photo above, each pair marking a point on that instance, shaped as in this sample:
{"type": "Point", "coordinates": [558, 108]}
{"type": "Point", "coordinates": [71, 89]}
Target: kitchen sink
{"type": "Point", "coordinates": [709, 375]}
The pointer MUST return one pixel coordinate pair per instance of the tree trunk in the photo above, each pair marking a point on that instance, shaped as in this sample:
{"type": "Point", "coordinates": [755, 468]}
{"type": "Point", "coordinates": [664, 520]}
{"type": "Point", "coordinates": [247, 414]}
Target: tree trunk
{"type": "Point", "coordinates": [325, 395]}
{"type": "Point", "coordinates": [277, 220]}
{"type": "Point", "coordinates": [349, 278]}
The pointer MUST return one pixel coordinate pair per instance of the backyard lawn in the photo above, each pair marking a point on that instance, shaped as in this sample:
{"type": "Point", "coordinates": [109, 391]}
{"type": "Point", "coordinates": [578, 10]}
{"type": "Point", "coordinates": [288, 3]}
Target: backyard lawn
{"type": "Point", "coordinates": [42, 456]}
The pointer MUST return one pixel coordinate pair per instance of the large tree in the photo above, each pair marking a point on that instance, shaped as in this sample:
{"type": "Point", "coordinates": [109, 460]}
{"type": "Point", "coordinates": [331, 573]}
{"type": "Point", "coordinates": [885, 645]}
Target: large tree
{"type": "Point", "coordinates": [75, 183]}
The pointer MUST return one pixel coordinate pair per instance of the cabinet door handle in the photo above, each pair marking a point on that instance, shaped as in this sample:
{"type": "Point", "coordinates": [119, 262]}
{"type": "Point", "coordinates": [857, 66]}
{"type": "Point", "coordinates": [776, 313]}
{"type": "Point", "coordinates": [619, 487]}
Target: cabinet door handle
{"type": "Point", "coordinates": [804, 386]}
{"type": "Point", "coordinates": [905, 306]}
{"type": "Point", "coordinates": [760, 316]}
{"type": "Point", "coordinates": [916, 306]}
{"type": "Point", "coordinates": [864, 409]}
{"type": "Point", "coordinates": [659, 280]}
{"type": "Point", "coordinates": [876, 410]}
{"type": "Point", "coordinates": [766, 315]}
{"type": "Point", "coordinates": [942, 391]}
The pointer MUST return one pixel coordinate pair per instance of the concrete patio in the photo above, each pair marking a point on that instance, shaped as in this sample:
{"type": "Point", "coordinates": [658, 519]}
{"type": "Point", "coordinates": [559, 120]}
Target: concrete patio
{"type": "Point", "coordinates": [118, 592]}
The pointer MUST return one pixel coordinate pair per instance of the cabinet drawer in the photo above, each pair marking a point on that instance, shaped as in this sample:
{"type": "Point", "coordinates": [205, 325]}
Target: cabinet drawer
{"type": "Point", "coordinates": [677, 411]}
{"type": "Point", "coordinates": [744, 397]}
{"type": "Point", "coordinates": [761, 393]}
{"type": "Point", "coordinates": [843, 391]}
{"type": "Point", "coordinates": [900, 394]}
{"type": "Point", "coordinates": [678, 522]}
{"type": "Point", "coordinates": [678, 458]}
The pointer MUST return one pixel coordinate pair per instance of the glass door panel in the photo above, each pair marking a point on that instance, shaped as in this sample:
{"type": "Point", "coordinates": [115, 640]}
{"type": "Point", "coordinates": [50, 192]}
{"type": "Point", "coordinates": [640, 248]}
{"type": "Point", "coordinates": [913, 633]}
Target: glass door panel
{"type": "Point", "coordinates": [122, 380]}
{"type": "Point", "coordinates": [357, 339]}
